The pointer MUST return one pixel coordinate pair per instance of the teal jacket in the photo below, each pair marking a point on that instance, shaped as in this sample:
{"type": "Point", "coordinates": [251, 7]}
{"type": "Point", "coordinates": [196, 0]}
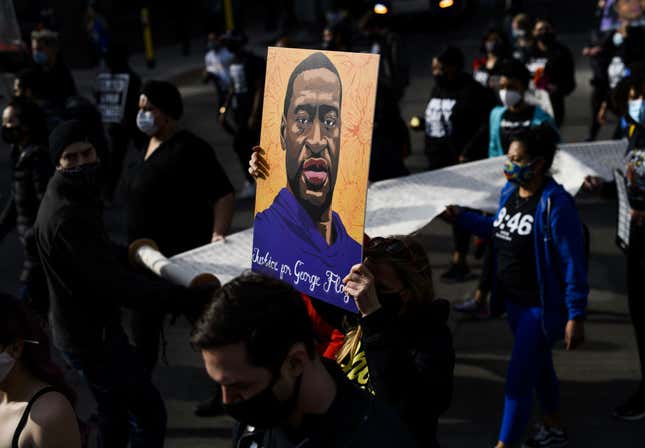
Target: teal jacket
{"type": "Point", "coordinates": [495, 142]}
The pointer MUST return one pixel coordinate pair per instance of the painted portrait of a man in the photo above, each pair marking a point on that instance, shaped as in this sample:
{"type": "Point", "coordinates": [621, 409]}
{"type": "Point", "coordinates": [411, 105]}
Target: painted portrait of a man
{"type": "Point", "coordinates": [299, 237]}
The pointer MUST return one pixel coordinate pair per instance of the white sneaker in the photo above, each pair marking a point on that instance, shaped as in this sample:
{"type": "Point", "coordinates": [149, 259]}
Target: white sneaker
{"type": "Point", "coordinates": [247, 191]}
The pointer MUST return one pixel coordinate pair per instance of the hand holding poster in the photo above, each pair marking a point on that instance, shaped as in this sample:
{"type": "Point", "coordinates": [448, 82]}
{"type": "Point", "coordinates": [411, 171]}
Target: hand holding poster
{"type": "Point", "coordinates": [316, 133]}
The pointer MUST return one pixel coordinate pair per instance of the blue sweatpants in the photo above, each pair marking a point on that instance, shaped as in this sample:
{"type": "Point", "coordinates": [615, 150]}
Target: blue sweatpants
{"type": "Point", "coordinates": [530, 368]}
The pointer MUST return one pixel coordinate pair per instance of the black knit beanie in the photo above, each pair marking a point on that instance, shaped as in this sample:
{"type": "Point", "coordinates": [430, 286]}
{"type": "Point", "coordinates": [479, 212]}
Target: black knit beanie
{"type": "Point", "coordinates": [65, 135]}
{"type": "Point", "coordinates": [165, 97]}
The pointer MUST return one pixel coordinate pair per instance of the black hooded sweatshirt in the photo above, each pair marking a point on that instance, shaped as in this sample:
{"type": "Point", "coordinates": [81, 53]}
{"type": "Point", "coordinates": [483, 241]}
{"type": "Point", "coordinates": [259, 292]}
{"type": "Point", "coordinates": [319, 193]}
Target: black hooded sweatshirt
{"type": "Point", "coordinates": [456, 119]}
{"type": "Point", "coordinates": [87, 280]}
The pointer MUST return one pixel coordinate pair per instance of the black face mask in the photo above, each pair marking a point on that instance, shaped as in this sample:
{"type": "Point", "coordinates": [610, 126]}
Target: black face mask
{"type": "Point", "coordinates": [86, 176]}
{"type": "Point", "coordinates": [10, 135]}
{"type": "Point", "coordinates": [546, 38]}
{"type": "Point", "coordinates": [391, 302]}
{"type": "Point", "coordinates": [264, 410]}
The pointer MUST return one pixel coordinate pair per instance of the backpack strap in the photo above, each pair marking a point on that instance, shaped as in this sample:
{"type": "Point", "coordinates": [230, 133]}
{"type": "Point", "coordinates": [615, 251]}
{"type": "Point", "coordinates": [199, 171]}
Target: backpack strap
{"type": "Point", "coordinates": [25, 415]}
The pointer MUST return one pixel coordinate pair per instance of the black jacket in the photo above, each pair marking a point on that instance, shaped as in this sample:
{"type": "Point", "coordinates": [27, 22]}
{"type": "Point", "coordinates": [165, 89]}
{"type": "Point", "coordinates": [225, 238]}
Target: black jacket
{"type": "Point", "coordinates": [87, 281]}
{"type": "Point", "coordinates": [354, 420]}
{"type": "Point", "coordinates": [559, 68]}
{"type": "Point", "coordinates": [411, 363]}
{"type": "Point", "coordinates": [32, 169]}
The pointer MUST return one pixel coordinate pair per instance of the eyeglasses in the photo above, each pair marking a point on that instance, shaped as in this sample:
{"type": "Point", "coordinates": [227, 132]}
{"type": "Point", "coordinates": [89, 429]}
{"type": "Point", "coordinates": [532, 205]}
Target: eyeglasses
{"type": "Point", "coordinates": [390, 246]}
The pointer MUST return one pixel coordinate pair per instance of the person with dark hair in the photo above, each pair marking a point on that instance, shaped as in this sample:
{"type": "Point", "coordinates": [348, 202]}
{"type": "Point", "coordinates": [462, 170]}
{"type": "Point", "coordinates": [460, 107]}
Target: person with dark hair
{"type": "Point", "coordinates": [456, 131]}
{"type": "Point", "coordinates": [620, 51]}
{"type": "Point", "coordinates": [454, 115]}
{"type": "Point", "coordinates": [391, 138]}
{"type": "Point", "coordinates": [216, 67]}
{"type": "Point", "coordinates": [515, 113]}
{"type": "Point", "coordinates": [245, 97]}
{"type": "Point", "coordinates": [25, 131]}
{"type": "Point", "coordinates": [257, 343]}
{"type": "Point", "coordinates": [634, 407]}
{"type": "Point", "coordinates": [88, 284]}
{"type": "Point", "coordinates": [36, 404]}
{"type": "Point", "coordinates": [56, 82]}
{"type": "Point", "coordinates": [119, 117]}
{"type": "Point", "coordinates": [521, 36]}
{"type": "Point", "coordinates": [552, 67]}
{"type": "Point", "coordinates": [178, 195]}
{"type": "Point", "coordinates": [494, 49]}
{"type": "Point", "coordinates": [26, 84]}
{"type": "Point", "coordinates": [401, 350]}
{"type": "Point", "coordinates": [540, 278]}
{"type": "Point", "coordinates": [300, 224]}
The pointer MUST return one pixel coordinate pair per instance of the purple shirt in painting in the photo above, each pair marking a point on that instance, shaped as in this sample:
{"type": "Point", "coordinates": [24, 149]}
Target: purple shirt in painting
{"type": "Point", "coordinates": [288, 245]}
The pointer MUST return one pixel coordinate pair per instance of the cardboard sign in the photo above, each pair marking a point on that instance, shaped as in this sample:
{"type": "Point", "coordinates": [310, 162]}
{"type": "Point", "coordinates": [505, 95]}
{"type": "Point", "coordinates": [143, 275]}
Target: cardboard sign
{"type": "Point", "coordinates": [111, 94]}
{"type": "Point", "coordinates": [317, 134]}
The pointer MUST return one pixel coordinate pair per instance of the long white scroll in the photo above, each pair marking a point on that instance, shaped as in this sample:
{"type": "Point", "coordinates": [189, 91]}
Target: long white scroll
{"type": "Point", "coordinates": [405, 205]}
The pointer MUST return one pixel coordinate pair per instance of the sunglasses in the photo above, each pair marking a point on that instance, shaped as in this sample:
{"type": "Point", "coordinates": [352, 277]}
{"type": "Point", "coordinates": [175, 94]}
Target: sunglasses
{"type": "Point", "coordinates": [391, 246]}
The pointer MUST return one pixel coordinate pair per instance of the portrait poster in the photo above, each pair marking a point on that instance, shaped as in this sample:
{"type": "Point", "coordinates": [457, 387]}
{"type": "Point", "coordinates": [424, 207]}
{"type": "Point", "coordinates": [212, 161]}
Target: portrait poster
{"type": "Point", "coordinates": [317, 122]}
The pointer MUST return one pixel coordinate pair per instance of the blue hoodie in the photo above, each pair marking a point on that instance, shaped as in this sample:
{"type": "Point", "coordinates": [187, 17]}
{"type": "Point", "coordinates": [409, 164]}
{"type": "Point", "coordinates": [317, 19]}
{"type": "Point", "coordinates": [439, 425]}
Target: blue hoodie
{"type": "Point", "coordinates": [560, 254]}
{"type": "Point", "coordinates": [285, 235]}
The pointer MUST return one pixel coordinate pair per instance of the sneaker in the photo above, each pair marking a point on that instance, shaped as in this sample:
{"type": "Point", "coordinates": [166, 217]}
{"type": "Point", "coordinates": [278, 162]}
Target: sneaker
{"type": "Point", "coordinates": [456, 274]}
{"type": "Point", "coordinates": [472, 307]}
{"type": "Point", "coordinates": [247, 191]}
{"type": "Point", "coordinates": [547, 437]}
{"type": "Point", "coordinates": [209, 408]}
{"type": "Point", "coordinates": [631, 411]}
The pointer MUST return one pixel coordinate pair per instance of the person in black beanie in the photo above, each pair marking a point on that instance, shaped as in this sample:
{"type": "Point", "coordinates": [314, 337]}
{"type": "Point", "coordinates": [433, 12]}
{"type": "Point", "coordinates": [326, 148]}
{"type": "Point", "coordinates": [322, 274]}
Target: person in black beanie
{"type": "Point", "coordinates": [178, 195]}
{"type": "Point", "coordinates": [88, 285]}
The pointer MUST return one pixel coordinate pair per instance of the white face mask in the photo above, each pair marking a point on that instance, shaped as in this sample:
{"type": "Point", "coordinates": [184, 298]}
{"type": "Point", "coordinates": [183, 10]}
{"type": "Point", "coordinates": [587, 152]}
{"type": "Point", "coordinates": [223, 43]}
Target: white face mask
{"type": "Point", "coordinates": [146, 123]}
{"type": "Point", "coordinates": [6, 364]}
{"type": "Point", "coordinates": [510, 98]}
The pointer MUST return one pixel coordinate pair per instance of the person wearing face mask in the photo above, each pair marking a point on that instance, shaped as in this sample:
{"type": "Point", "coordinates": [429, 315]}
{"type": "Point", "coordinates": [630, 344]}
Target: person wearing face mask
{"type": "Point", "coordinates": [520, 36]}
{"type": "Point", "coordinates": [620, 51]}
{"type": "Point", "coordinates": [634, 407]}
{"type": "Point", "coordinates": [551, 65]}
{"type": "Point", "coordinates": [514, 113]}
{"type": "Point", "coordinates": [56, 82]}
{"type": "Point", "coordinates": [402, 350]}
{"type": "Point", "coordinates": [89, 283]}
{"type": "Point", "coordinates": [540, 278]}
{"type": "Point", "coordinates": [36, 405]}
{"type": "Point", "coordinates": [455, 117]}
{"type": "Point", "coordinates": [494, 49]}
{"type": "Point", "coordinates": [456, 129]}
{"type": "Point", "coordinates": [257, 343]}
{"type": "Point", "coordinates": [24, 130]}
{"type": "Point", "coordinates": [178, 195]}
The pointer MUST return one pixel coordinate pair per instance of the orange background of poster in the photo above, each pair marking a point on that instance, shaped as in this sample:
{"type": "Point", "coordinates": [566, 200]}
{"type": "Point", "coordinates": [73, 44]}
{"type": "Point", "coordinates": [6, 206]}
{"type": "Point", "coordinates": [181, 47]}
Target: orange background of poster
{"type": "Point", "coordinates": [358, 74]}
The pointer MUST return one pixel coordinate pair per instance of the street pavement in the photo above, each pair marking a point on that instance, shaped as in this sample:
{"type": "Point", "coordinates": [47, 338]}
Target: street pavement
{"type": "Point", "coordinates": [594, 378]}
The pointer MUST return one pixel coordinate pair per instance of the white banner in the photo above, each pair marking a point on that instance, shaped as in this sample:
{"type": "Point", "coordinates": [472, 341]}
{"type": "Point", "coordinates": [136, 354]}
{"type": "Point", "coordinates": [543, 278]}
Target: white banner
{"type": "Point", "coordinates": [404, 205]}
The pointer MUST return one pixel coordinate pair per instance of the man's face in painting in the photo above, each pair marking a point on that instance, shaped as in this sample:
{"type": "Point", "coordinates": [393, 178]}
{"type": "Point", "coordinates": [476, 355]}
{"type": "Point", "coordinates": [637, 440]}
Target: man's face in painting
{"type": "Point", "coordinates": [310, 135]}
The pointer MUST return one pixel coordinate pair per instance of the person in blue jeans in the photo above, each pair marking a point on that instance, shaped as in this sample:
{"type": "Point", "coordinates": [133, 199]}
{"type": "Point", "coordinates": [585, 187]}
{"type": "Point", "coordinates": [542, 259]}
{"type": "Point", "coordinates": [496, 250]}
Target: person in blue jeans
{"type": "Point", "coordinates": [540, 276]}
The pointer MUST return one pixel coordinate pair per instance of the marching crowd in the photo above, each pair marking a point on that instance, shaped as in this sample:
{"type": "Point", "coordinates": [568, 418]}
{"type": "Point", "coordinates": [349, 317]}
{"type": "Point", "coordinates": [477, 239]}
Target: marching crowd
{"type": "Point", "coordinates": [294, 371]}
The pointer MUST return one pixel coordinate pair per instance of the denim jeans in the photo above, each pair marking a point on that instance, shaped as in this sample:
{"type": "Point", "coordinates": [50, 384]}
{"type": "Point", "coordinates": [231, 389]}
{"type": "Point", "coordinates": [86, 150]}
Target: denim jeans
{"type": "Point", "coordinates": [130, 408]}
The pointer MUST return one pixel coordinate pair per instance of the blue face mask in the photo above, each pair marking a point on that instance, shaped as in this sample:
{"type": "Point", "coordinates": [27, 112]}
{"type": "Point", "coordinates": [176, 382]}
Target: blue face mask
{"type": "Point", "coordinates": [519, 174]}
{"type": "Point", "coordinates": [40, 57]}
{"type": "Point", "coordinates": [636, 110]}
